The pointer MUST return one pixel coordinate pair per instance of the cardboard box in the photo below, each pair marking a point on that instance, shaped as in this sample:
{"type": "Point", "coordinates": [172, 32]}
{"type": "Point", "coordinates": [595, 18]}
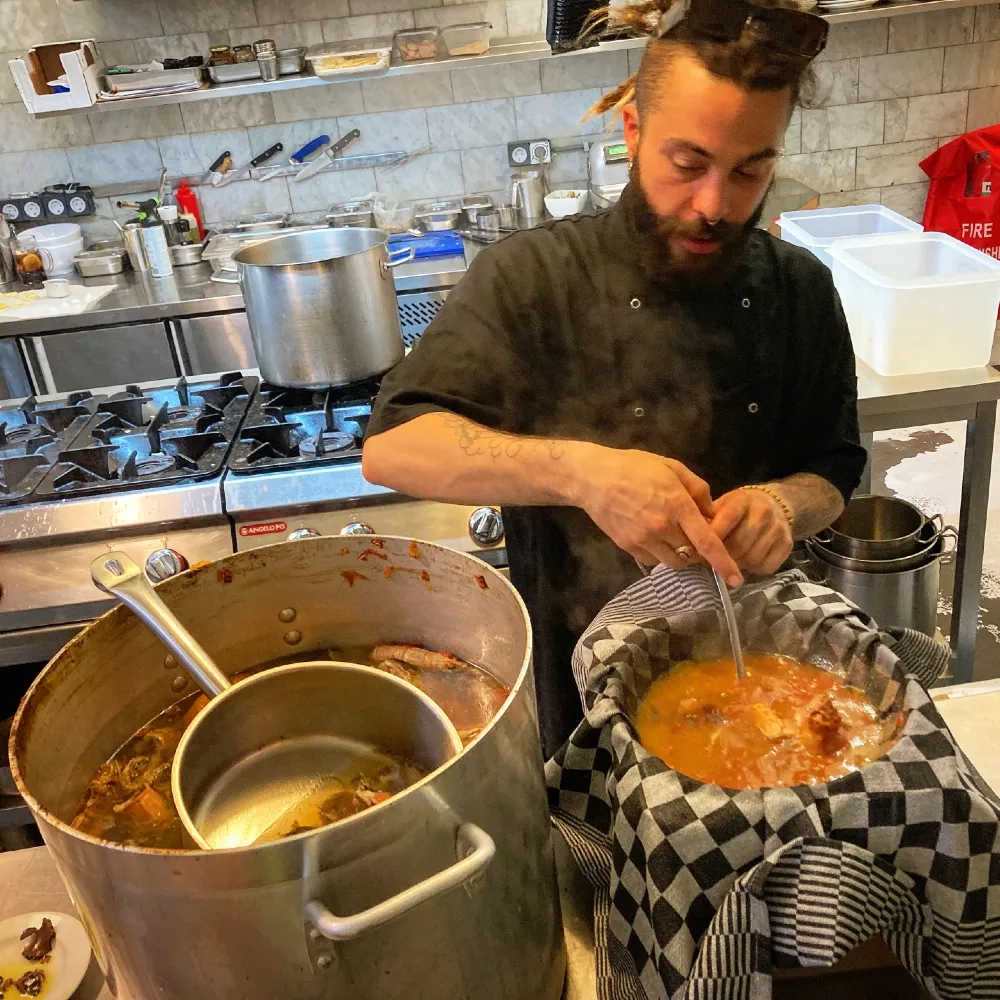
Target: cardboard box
{"type": "Point", "coordinates": [80, 63]}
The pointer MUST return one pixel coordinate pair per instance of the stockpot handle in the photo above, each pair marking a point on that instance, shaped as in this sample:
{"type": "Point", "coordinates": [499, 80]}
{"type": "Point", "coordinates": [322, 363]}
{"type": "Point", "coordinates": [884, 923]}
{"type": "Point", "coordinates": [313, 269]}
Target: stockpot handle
{"type": "Point", "coordinates": [475, 848]}
{"type": "Point", "coordinates": [388, 263]}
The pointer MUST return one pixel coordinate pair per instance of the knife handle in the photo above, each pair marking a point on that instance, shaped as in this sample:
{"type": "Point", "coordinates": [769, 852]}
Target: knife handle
{"type": "Point", "coordinates": [309, 147]}
{"type": "Point", "coordinates": [223, 156]}
{"type": "Point", "coordinates": [267, 154]}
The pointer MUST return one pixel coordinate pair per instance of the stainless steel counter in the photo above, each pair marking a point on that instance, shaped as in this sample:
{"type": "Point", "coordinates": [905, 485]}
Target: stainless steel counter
{"type": "Point", "coordinates": [190, 291]}
{"type": "Point", "coordinates": [137, 298]}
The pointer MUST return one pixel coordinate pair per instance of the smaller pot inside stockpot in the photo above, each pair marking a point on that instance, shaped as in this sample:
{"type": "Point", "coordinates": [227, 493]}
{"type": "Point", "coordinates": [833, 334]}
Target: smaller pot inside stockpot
{"type": "Point", "coordinates": [321, 306]}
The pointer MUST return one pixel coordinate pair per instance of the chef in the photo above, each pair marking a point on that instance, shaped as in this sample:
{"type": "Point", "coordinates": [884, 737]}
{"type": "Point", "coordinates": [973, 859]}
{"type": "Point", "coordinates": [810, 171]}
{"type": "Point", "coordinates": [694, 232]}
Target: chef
{"type": "Point", "coordinates": [661, 382]}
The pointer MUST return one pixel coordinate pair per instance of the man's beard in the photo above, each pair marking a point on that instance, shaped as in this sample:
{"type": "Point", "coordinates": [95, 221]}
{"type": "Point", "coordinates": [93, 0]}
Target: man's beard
{"type": "Point", "coordinates": [687, 271]}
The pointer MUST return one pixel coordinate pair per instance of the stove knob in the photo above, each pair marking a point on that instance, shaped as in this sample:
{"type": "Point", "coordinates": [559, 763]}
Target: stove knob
{"type": "Point", "coordinates": [163, 564]}
{"type": "Point", "coordinates": [357, 528]}
{"type": "Point", "coordinates": [486, 526]}
{"type": "Point", "coordinates": [300, 533]}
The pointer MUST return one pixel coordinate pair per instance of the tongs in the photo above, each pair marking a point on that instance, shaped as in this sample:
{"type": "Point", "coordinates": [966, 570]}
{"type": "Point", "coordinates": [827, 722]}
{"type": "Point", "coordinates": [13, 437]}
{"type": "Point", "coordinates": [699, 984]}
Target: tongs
{"type": "Point", "coordinates": [734, 633]}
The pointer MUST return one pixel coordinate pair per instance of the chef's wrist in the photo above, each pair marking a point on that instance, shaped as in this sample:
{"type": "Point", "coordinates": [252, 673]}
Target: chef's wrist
{"type": "Point", "coordinates": [777, 498]}
{"type": "Point", "coordinates": [574, 470]}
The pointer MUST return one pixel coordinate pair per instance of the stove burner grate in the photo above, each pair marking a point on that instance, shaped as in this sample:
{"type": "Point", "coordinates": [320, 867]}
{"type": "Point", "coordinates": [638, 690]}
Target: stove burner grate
{"type": "Point", "coordinates": [326, 443]}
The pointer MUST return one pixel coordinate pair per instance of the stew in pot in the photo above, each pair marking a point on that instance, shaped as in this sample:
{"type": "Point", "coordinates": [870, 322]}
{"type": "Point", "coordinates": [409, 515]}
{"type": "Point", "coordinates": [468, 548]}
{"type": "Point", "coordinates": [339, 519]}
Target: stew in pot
{"type": "Point", "coordinates": [785, 723]}
{"type": "Point", "coordinates": [128, 801]}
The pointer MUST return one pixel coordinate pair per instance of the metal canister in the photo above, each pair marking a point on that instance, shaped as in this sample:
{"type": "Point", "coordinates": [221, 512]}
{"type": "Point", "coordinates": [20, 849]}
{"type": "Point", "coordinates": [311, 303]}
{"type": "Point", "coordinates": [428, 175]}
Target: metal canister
{"type": "Point", "coordinates": [266, 52]}
{"type": "Point", "coordinates": [132, 238]}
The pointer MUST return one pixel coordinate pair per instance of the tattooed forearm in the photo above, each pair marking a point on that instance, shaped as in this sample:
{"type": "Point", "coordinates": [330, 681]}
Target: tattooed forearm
{"type": "Point", "coordinates": [476, 440]}
{"type": "Point", "coordinates": [816, 503]}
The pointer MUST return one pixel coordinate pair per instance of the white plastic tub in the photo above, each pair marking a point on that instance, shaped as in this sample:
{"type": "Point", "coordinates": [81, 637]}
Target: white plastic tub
{"type": "Point", "coordinates": [917, 302]}
{"type": "Point", "coordinates": [819, 229]}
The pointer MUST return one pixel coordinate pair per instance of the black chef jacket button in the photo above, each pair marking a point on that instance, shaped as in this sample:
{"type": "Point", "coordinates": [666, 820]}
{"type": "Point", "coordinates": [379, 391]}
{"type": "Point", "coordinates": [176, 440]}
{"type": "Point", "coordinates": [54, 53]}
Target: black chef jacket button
{"type": "Point", "coordinates": [635, 303]}
{"type": "Point", "coordinates": [745, 303]}
{"type": "Point", "coordinates": [639, 411]}
{"type": "Point", "coordinates": [753, 407]}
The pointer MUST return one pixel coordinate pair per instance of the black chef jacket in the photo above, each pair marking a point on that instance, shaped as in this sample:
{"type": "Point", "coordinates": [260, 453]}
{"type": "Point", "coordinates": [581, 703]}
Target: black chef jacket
{"type": "Point", "coordinates": [560, 332]}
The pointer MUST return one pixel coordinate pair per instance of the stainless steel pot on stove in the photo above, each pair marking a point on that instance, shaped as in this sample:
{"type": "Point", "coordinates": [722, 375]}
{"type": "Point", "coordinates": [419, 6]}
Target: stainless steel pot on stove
{"type": "Point", "coordinates": [321, 306]}
{"type": "Point", "coordinates": [258, 922]}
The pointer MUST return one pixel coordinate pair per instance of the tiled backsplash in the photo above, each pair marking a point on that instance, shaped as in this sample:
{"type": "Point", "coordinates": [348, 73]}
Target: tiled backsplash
{"type": "Point", "coordinates": [887, 92]}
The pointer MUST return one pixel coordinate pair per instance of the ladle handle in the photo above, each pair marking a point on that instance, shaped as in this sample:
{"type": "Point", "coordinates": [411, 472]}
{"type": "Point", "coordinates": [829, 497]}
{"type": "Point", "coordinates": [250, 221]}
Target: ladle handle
{"type": "Point", "coordinates": [731, 626]}
{"type": "Point", "coordinates": [116, 574]}
{"type": "Point", "coordinates": [475, 848]}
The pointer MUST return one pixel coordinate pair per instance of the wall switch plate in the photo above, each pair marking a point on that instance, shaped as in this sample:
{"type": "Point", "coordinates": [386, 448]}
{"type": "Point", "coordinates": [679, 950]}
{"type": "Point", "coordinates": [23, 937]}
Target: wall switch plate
{"type": "Point", "coordinates": [529, 152]}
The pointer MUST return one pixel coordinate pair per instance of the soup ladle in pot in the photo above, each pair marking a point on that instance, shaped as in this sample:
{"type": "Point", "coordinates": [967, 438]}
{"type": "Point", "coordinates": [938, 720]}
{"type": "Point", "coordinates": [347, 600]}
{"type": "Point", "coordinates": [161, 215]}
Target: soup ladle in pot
{"type": "Point", "coordinates": [266, 747]}
{"type": "Point", "coordinates": [734, 632]}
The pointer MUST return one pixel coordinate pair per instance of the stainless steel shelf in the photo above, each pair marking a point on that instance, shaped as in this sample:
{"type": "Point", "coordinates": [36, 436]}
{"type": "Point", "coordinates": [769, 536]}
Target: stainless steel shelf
{"type": "Point", "coordinates": [505, 50]}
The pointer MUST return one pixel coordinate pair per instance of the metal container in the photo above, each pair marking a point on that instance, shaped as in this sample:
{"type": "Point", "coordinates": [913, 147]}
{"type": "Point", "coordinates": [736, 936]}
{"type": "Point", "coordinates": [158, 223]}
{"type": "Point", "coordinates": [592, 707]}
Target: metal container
{"type": "Point", "coordinates": [508, 216]}
{"type": "Point", "coordinates": [8, 275]}
{"type": "Point", "coordinates": [249, 914]}
{"type": "Point", "coordinates": [322, 306]}
{"type": "Point", "coordinates": [908, 598]}
{"type": "Point", "coordinates": [291, 60]}
{"type": "Point", "coordinates": [96, 263]}
{"type": "Point", "coordinates": [528, 189]}
{"type": "Point", "coordinates": [929, 536]}
{"type": "Point", "coordinates": [876, 527]}
{"type": "Point", "coordinates": [357, 214]}
{"type": "Point", "coordinates": [474, 205]}
{"type": "Point", "coordinates": [131, 236]}
{"type": "Point", "coordinates": [437, 216]}
{"type": "Point", "coordinates": [184, 254]}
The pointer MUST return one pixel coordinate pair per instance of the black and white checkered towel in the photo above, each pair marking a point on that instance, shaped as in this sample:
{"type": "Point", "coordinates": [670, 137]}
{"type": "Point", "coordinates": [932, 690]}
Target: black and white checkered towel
{"type": "Point", "coordinates": [701, 891]}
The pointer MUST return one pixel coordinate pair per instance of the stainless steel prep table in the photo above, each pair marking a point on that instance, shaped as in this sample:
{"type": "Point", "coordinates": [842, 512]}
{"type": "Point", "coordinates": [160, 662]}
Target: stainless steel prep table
{"type": "Point", "coordinates": [933, 398]}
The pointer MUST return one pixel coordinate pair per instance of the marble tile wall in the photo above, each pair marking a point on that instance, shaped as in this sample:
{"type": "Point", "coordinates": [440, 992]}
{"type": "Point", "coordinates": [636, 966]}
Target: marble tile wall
{"type": "Point", "coordinates": [885, 93]}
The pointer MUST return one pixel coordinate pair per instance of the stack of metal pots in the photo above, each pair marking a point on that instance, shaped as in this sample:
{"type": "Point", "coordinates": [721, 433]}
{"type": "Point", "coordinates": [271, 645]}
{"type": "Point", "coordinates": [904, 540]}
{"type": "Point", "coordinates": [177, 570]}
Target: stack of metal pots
{"type": "Point", "coordinates": [885, 555]}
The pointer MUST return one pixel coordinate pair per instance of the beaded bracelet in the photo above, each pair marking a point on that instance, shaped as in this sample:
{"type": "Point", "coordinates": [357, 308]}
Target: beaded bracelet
{"type": "Point", "coordinates": [777, 498]}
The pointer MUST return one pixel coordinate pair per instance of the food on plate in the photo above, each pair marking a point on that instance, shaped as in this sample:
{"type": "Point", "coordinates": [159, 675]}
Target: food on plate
{"type": "Point", "coordinates": [129, 801]}
{"type": "Point", "coordinates": [38, 940]}
{"type": "Point", "coordinates": [786, 723]}
{"type": "Point", "coordinates": [28, 985]}
{"type": "Point", "coordinates": [559, 195]}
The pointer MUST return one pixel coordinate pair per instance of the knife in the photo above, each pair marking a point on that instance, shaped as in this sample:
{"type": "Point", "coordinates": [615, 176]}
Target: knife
{"type": "Point", "coordinates": [326, 157]}
{"type": "Point", "coordinates": [220, 166]}
{"type": "Point", "coordinates": [308, 149]}
{"type": "Point", "coordinates": [244, 171]}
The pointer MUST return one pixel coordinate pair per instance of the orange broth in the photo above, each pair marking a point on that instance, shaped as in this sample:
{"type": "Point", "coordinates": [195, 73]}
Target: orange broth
{"type": "Point", "coordinates": [786, 723]}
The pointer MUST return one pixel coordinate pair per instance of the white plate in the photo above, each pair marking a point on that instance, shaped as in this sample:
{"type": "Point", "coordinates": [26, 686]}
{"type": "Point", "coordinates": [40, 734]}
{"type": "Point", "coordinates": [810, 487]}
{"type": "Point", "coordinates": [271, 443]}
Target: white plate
{"type": "Point", "coordinates": [70, 955]}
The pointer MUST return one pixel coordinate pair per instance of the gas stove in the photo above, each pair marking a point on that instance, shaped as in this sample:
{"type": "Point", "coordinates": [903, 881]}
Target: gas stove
{"type": "Point", "coordinates": [178, 472]}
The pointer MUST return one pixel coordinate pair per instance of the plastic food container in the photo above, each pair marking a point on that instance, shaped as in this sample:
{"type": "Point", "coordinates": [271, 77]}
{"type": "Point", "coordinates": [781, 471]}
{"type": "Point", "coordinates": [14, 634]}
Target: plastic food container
{"type": "Point", "coordinates": [472, 39]}
{"type": "Point", "coordinates": [819, 229]}
{"type": "Point", "coordinates": [917, 302]}
{"type": "Point", "coordinates": [393, 216]}
{"type": "Point", "coordinates": [563, 203]}
{"type": "Point", "coordinates": [350, 57]}
{"type": "Point", "coordinates": [415, 44]}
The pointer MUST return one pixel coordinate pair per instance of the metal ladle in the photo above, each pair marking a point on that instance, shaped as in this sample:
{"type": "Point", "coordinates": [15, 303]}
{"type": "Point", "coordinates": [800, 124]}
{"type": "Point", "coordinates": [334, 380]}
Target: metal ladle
{"type": "Point", "coordinates": [734, 633]}
{"type": "Point", "coordinates": [262, 747]}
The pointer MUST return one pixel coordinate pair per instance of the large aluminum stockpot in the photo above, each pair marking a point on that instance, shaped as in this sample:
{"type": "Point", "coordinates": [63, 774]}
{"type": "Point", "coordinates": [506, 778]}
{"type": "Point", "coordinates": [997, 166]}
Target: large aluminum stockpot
{"type": "Point", "coordinates": [321, 306]}
{"type": "Point", "coordinates": [308, 917]}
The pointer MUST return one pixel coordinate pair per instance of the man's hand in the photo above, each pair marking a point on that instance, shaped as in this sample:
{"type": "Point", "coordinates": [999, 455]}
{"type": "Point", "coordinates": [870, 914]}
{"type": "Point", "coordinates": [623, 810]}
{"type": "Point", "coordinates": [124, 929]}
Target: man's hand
{"type": "Point", "coordinates": [754, 529]}
{"type": "Point", "coordinates": [651, 506]}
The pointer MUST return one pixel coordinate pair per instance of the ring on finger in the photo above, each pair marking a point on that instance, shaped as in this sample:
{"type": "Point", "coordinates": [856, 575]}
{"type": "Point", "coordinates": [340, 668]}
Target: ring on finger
{"type": "Point", "coordinates": [684, 552]}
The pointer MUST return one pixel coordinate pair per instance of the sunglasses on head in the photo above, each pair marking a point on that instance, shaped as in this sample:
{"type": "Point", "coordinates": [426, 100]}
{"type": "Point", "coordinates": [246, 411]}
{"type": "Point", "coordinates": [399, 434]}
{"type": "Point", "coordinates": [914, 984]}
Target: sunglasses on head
{"type": "Point", "coordinates": [790, 32]}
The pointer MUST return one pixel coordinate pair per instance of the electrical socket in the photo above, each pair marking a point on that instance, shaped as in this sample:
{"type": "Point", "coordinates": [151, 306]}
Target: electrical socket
{"type": "Point", "coordinates": [529, 152]}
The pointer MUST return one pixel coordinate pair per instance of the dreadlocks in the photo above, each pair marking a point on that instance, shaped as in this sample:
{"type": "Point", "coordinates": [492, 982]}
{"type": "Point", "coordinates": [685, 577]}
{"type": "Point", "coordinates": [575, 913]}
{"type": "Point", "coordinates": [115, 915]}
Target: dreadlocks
{"type": "Point", "coordinates": [745, 61]}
